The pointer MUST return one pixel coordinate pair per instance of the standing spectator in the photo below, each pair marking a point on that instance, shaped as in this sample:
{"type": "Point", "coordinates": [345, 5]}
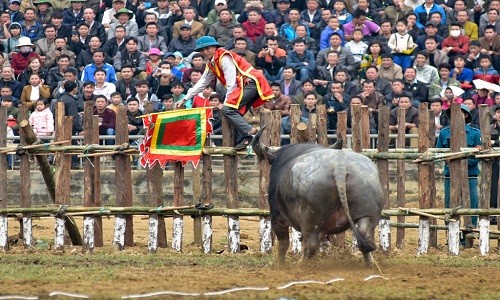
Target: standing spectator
{"type": "Point", "coordinates": [473, 139]}
{"type": "Point", "coordinates": [418, 89]}
{"type": "Point", "coordinates": [301, 59]}
{"type": "Point", "coordinates": [272, 59]}
{"type": "Point", "coordinates": [356, 45]}
{"type": "Point", "coordinates": [402, 45]}
{"type": "Point", "coordinates": [20, 60]}
{"type": "Point", "coordinates": [107, 118]}
{"type": "Point", "coordinates": [124, 17]}
{"type": "Point", "coordinates": [495, 142]}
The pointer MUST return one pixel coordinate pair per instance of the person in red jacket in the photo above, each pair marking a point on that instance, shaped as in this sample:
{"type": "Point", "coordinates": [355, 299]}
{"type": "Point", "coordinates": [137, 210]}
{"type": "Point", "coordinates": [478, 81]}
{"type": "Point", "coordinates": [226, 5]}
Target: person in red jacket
{"type": "Point", "coordinates": [20, 60]}
{"type": "Point", "coordinates": [255, 24]}
{"type": "Point", "coordinates": [246, 86]}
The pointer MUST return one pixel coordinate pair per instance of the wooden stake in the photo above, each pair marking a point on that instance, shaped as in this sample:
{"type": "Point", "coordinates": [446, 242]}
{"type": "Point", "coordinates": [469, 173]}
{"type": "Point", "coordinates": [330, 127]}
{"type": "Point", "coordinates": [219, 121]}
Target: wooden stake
{"type": "Point", "coordinates": [383, 169]}
{"type": "Point", "coordinates": [322, 124]}
{"type": "Point", "coordinates": [4, 236]}
{"type": "Point", "coordinates": [266, 119]}
{"type": "Point", "coordinates": [400, 178]}
{"type": "Point", "coordinates": [485, 182]}
{"type": "Point", "coordinates": [178, 223]}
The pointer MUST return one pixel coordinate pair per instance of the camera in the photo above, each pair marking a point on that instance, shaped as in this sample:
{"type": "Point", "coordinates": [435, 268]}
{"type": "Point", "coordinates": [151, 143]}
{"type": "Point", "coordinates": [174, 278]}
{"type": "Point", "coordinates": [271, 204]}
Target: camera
{"type": "Point", "coordinates": [74, 32]}
{"type": "Point", "coordinates": [59, 49]}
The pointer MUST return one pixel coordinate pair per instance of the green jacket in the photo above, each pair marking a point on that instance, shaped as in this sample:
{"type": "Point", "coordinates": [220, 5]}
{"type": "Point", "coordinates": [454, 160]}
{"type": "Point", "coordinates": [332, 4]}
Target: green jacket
{"type": "Point", "coordinates": [435, 87]}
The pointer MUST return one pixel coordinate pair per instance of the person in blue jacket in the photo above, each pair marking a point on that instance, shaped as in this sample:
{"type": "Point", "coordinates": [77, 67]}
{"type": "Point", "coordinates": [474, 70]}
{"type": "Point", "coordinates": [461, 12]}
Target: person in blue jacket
{"type": "Point", "coordinates": [473, 137]}
{"type": "Point", "coordinates": [425, 10]}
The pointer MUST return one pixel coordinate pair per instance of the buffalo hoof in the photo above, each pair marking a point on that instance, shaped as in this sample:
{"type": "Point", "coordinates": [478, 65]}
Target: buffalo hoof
{"type": "Point", "coordinates": [368, 259]}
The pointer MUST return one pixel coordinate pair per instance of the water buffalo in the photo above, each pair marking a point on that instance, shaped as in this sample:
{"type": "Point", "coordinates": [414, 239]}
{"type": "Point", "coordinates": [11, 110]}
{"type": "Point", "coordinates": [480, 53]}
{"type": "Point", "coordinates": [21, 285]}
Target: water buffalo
{"type": "Point", "coordinates": [322, 191]}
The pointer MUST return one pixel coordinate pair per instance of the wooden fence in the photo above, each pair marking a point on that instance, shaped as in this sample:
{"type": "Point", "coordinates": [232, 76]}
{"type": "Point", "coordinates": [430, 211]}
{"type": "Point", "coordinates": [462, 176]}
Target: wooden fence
{"type": "Point", "coordinates": [315, 131]}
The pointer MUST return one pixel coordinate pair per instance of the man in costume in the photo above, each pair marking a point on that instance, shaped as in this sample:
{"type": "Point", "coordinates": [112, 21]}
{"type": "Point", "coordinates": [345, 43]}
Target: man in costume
{"type": "Point", "coordinates": [246, 86]}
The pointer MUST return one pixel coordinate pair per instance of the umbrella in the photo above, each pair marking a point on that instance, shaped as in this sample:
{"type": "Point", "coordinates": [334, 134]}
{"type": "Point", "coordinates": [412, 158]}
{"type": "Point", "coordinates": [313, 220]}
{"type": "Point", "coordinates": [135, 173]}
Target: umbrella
{"type": "Point", "coordinates": [455, 89]}
{"type": "Point", "coordinates": [481, 84]}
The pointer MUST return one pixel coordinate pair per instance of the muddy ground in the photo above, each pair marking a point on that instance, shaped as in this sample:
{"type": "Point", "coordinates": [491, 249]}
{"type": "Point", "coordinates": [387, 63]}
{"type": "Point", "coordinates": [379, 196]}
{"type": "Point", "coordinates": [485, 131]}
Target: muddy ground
{"type": "Point", "coordinates": [109, 274]}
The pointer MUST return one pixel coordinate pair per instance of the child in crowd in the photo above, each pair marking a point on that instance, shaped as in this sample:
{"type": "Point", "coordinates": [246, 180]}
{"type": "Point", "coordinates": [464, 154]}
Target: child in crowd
{"type": "Point", "coordinates": [202, 99]}
{"type": "Point", "coordinates": [357, 46]}
{"type": "Point", "coordinates": [486, 71]}
{"type": "Point", "coordinates": [42, 119]}
{"type": "Point", "coordinates": [332, 27]}
{"type": "Point", "coordinates": [179, 61]}
{"type": "Point", "coordinates": [216, 105]}
{"type": "Point", "coordinates": [340, 11]}
{"type": "Point", "coordinates": [12, 42]}
{"type": "Point", "coordinates": [143, 95]}
{"type": "Point", "coordinates": [116, 101]}
{"type": "Point", "coordinates": [167, 102]}
{"type": "Point", "coordinates": [178, 93]}
{"type": "Point", "coordinates": [402, 45]}
{"type": "Point", "coordinates": [154, 60]}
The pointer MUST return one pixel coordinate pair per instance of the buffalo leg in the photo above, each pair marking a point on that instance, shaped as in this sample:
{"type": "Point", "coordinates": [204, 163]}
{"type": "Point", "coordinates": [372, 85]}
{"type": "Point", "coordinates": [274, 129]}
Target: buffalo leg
{"type": "Point", "coordinates": [281, 229]}
{"type": "Point", "coordinates": [367, 244]}
{"type": "Point", "coordinates": [310, 236]}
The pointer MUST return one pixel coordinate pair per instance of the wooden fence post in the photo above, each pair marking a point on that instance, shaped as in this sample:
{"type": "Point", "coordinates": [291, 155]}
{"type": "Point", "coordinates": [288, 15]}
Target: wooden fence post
{"type": "Point", "coordinates": [383, 168]}
{"type": "Point", "coordinates": [356, 147]}
{"type": "Point", "coordinates": [25, 187]}
{"type": "Point", "coordinates": [486, 171]}
{"type": "Point", "coordinates": [231, 172]}
{"type": "Point", "coordinates": [365, 127]}
{"type": "Point", "coordinates": [322, 130]}
{"type": "Point", "coordinates": [4, 235]}
{"type": "Point", "coordinates": [401, 140]}
{"type": "Point", "coordinates": [206, 197]}
{"type": "Point", "coordinates": [178, 226]}
{"type": "Point", "coordinates": [432, 179]}
{"type": "Point", "coordinates": [266, 119]}
{"type": "Point", "coordinates": [124, 227]}
{"type": "Point", "coordinates": [298, 134]}
{"type": "Point", "coordinates": [423, 178]}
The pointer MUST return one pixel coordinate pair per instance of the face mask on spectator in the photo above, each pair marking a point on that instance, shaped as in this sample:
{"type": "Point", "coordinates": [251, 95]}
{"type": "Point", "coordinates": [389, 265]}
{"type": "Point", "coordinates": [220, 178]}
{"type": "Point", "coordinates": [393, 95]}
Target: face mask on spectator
{"type": "Point", "coordinates": [25, 49]}
{"type": "Point", "coordinates": [455, 33]}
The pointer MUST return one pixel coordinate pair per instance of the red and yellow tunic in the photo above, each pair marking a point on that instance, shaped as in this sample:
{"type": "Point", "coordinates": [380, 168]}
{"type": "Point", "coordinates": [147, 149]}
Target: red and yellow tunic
{"type": "Point", "coordinates": [245, 72]}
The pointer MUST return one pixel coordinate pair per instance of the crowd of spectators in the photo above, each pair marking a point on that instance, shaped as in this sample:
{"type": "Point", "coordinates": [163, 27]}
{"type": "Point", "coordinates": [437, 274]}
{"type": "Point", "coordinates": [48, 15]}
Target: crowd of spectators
{"type": "Point", "coordinates": [333, 52]}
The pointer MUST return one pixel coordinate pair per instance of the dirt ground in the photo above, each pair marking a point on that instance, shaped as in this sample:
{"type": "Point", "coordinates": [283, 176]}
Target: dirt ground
{"type": "Point", "coordinates": [109, 274]}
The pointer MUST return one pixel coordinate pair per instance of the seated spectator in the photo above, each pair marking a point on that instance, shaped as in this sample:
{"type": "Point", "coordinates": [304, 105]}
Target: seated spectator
{"type": "Point", "coordinates": [381, 85]}
{"type": "Point", "coordinates": [131, 56]}
{"type": "Point", "coordinates": [88, 91]}
{"type": "Point", "coordinates": [178, 93]}
{"type": "Point", "coordinates": [491, 44]}
{"type": "Point", "coordinates": [56, 74]}
{"type": "Point", "coordinates": [46, 44]}
{"type": "Point", "coordinates": [172, 59]}
{"type": "Point", "coordinates": [13, 117]}
{"type": "Point", "coordinates": [14, 10]}
{"type": "Point", "coordinates": [279, 102]}
{"type": "Point", "coordinates": [216, 105]}
{"type": "Point", "coordinates": [312, 16]}
{"type": "Point", "coordinates": [384, 35]}
{"type": "Point", "coordinates": [98, 63]}
{"type": "Point", "coordinates": [486, 71]}
{"type": "Point", "coordinates": [21, 59]}
{"type": "Point", "coordinates": [34, 66]}
{"type": "Point", "coordinates": [341, 12]}
{"type": "Point", "coordinates": [440, 118]}
{"type": "Point", "coordinates": [143, 95]}
{"type": "Point", "coordinates": [194, 77]}
{"type": "Point", "coordinates": [371, 14]}
{"type": "Point", "coordinates": [356, 45]}
{"type": "Point", "coordinates": [238, 31]}
{"type": "Point", "coordinates": [359, 19]}
{"type": "Point", "coordinates": [5, 91]}
{"type": "Point", "coordinates": [474, 112]}
{"type": "Point", "coordinates": [153, 40]}
{"type": "Point", "coordinates": [241, 48]}
{"type": "Point", "coordinates": [222, 29]}
{"type": "Point", "coordinates": [34, 91]}
{"type": "Point", "coordinates": [103, 87]}
{"type": "Point", "coordinates": [151, 17]}
{"type": "Point", "coordinates": [74, 14]}
{"type": "Point", "coordinates": [301, 59]}
{"type": "Point", "coordinates": [272, 59]}
{"type": "Point", "coordinates": [14, 36]}
{"type": "Point", "coordinates": [373, 57]}
{"type": "Point", "coordinates": [462, 74]}
{"type": "Point", "coordinates": [371, 98]}
{"type": "Point", "coordinates": [309, 106]}
{"type": "Point", "coordinates": [456, 44]}
{"type": "Point", "coordinates": [115, 44]}
{"type": "Point", "coordinates": [444, 81]}
{"type": "Point", "coordinates": [431, 30]}
{"type": "Point", "coordinates": [61, 49]}
{"type": "Point", "coordinates": [336, 100]}
{"type": "Point", "coordinates": [392, 99]}
{"type": "Point", "coordinates": [483, 96]}
{"type": "Point", "coordinates": [357, 101]}
{"type": "Point", "coordinates": [388, 69]}
{"type": "Point", "coordinates": [63, 30]}
{"type": "Point", "coordinates": [4, 25]}
{"type": "Point", "coordinates": [287, 30]}
{"type": "Point", "coordinates": [453, 9]}
{"type": "Point", "coordinates": [402, 45]}
{"type": "Point", "coordinates": [202, 99]}
{"type": "Point", "coordinates": [493, 20]}
{"type": "Point", "coordinates": [80, 39]}
{"type": "Point", "coordinates": [9, 80]}
{"type": "Point", "coordinates": [126, 85]}
{"type": "Point", "coordinates": [311, 44]}
{"type": "Point", "coordinates": [69, 75]}
{"type": "Point", "coordinates": [418, 89]}
{"type": "Point", "coordinates": [397, 11]}
{"type": "Point", "coordinates": [161, 80]}
{"type": "Point", "coordinates": [108, 17]}
{"type": "Point", "coordinates": [124, 17]}
{"type": "Point", "coordinates": [423, 11]}
{"type": "Point", "coordinates": [135, 125]}
{"type": "Point", "coordinates": [255, 24]}
{"type": "Point", "coordinates": [333, 26]}
{"type": "Point", "coordinates": [436, 56]}
{"type": "Point", "coordinates": [185, 43]}
{"type": "Point", "coordinates": [413, 29]}
{"type": "Point", "coordinates": [425, 73]}
{"type": "Point", "coordinates": [346, 59]}
{"type": "Point", "coordinates": [107, 118]}
{"type": "Point", "coordinates": [43, 11]}
{"type": "Point", "coordinates": [289, 85]}
{"type": "Point", "coordinates": [327, 73]}
{"type": "Point", "coordinates": [197, 28]}
{"type": "Point", "coordinates": [451, 95]}
{"type": "Point", "coordinates": [116, 101]}
{"type": "Point", "coordinates": [168, 103]}
{"type": "Point", "coordinates": [86, 57]}
{"type": "Point", "coordinates": [326, 14]}
{"type": "Point", "coordinates": [307, 86]}
{"type": "Point", "coordinates": [411, 119]}
{"type": "Point", "coordinates": [30, 26]}
{"type": "Point", "coordinates": [153, 60]}
{"type": "Point", "coordinates": [442, 29]}
{"type": "Point", "coordinates": [214, 15]}
{"type": "Point", "coordinates": [350, 88]}
{"type": "Point", "coordinates": [470, 29]}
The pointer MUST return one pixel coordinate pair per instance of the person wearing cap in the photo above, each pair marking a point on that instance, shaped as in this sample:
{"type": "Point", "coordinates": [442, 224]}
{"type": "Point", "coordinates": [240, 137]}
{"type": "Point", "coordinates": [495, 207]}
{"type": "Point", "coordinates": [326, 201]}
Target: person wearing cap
{"type": "Point", "coordinates": [109, 15]}
{"type": "Point", "coordinates": [197, 28]}
{"type": "Point", "coordinates": [245, 86]}
{"type": "Point", "coordinates": [473, 139]}
{"type": "Point", "coordinates": [20, 60]}
{"type": "Point", "coordinates": [124, 17]}
{"type": "Point", "coordinates": [96, 28]}
{"type": "Point", "coordinates": [74, 15]}
{"type": "Point", "coordinates": [43, 11]}
{"type": "Point", "coordinates": [185, 43]}
{"type": "Point", "coordinates": [152, 40]}
{"type": "Point", "coordinates": [280, 14]}
{"type": "Point", "coordinates": [431, 30]}
{"type": "Point", "coordinates": [14, 10]}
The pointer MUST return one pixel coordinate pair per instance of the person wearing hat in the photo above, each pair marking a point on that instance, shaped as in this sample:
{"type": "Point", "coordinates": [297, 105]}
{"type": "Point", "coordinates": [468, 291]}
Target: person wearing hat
{"type": "Point", "coordinates": [74, 15]}
{"type": "Point", "coordinates": [124, 17]}
{"type": "Point", "coordinates": [14, 10]}
{"type": "Point", "coordinates": [473, 139]}
{"type": "Point", "coordinates": [109, 15]}
{"type": "Point", "coordinates": [43, 11]}
{"type": "Point", "coordinates": [431, 30]}
{"type": "Point", "coordinates": [20, 60]}
{"type": "Point", "coordinates": [245, 85]}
